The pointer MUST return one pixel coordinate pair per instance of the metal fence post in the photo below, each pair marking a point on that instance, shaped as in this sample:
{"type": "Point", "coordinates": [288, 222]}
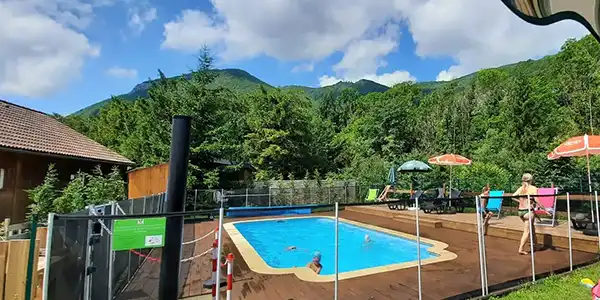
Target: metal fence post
{"type": "Point", "coordinates": [597, 217]}
{"type": "Point", "coordinates": [88, 258]}
{"type": "Point", "coordinates": [246, 197]}
{"type": "Point", "coordinates": [48, 257]}
{"type": "Point", "coordinates": [479, 231]}
{"type": "Point", "coordinates": [269, 196]}
{"type": "Point", "coordinates": [418, 247]}
{"type": "Point", "coordinates": [569, 232]}
{"type": "Point", "coordinates": [329, 195]}
{"type": "Point", "coordinates": [195, 198]}
{"type": "Point", "coordinates": [111, 261]}
{"type": "Point", "coordinates": [336, 258]}
{"type": "Point", "coordinates": [129, 252]}
{"type": "Point", "coordinates": [32, 233]}
{"type": "Point", "coordinates": [144, 206]}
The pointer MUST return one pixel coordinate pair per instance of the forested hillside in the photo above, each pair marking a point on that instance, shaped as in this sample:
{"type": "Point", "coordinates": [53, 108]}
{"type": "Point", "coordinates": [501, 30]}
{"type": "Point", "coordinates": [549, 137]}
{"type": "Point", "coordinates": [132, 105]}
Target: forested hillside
{"type": "Point", "coordinates": [505, 119]}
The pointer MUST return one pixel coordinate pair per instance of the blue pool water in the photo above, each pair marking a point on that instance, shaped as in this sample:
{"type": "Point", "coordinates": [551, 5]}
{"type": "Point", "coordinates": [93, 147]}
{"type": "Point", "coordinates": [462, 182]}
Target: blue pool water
{"type": "Point", "coordinates": [271, 239]}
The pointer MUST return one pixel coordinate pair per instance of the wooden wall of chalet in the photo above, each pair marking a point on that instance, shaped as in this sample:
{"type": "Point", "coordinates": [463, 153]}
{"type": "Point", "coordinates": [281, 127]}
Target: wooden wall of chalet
{"type": "Point", "coordinates": [23, 171]}
{"type": "Point", "coordinates": [148, 181]}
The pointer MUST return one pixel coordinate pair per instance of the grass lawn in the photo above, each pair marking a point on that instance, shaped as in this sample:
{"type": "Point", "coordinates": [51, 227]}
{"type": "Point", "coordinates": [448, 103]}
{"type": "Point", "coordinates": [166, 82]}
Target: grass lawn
{"type": "Point", "coordinates": [555, 287]}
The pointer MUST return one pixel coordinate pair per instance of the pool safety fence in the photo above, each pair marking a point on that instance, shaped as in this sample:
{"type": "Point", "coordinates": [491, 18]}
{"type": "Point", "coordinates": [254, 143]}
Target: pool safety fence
{"type": "Point", "coordinates": [530, 219]}
{"type": "Point", "coordinates": [80, 249]}
{"type": "Point", "coordinates": [80, 244]}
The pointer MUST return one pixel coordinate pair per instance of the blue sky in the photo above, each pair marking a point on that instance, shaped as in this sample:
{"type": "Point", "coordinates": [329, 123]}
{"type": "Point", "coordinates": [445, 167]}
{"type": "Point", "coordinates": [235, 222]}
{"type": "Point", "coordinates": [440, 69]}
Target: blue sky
{"type": "Point", "coordinates": [68, 57]}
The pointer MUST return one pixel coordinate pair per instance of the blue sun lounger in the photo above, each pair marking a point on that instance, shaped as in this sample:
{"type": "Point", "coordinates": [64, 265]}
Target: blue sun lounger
{"type": "Point", "coordinates": [494, 204]}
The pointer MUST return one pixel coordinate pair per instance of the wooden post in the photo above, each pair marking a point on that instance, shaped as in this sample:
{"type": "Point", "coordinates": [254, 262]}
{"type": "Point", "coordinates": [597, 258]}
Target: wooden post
{"type": "Point", "coordinates": [17, 191]}
{"type": "Point", "coordinates": [16, 269]}
{"type": "Point", "coordinates": [3, 258]}
{"type": "Point", "coordinates": [6, 223]}
{"type": "Point", "coordinates": [35, 280]}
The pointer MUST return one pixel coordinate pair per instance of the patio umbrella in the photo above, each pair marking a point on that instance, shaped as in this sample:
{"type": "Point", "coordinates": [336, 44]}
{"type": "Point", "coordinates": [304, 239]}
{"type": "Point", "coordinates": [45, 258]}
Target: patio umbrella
{"type": "Point", "coordinates": [579, 146]}
{"type": "Point", "coordinates": [450, 160]}
{"type": "Point", "coordinates": [392, 176]}
{"type": "Point", "coordinates": [412, 166]}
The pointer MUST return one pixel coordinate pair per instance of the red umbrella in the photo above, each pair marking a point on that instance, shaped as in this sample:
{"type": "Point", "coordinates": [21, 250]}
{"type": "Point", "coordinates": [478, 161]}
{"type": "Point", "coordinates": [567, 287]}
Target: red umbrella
{"type": "Point", "coordinates": [578, 146]}
{"type": "Point", "coordinates": [450, 160]}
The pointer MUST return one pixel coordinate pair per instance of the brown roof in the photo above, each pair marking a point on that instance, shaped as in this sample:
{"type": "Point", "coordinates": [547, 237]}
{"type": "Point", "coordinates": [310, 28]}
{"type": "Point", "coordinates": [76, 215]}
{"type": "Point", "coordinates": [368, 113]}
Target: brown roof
{"type": "Point", "coordinates": [26, 129]}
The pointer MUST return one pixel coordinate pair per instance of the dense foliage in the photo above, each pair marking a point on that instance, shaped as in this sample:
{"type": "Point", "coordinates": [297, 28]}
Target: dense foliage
{"type": "Point", "coordinates": [505, 119]}
{"type": "Point", "coordinates": [83, 190]}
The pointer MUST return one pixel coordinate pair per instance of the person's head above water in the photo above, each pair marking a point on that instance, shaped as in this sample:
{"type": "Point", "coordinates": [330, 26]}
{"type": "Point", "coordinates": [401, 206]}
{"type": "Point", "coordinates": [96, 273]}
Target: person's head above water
{"type": "Point", "coordinates": [367, 238]}
{"type": "Point", "coordinates": [317, 256]}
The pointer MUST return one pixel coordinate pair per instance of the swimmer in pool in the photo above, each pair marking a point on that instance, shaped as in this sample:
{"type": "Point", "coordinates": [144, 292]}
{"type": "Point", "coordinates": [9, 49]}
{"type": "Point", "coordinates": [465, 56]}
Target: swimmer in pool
{"type": "Point", "coordinates": [367, 239]}
{"type": "Point", "coordinates": [315, 264]}
{"type": "Point", "coordinates": [290, 248]}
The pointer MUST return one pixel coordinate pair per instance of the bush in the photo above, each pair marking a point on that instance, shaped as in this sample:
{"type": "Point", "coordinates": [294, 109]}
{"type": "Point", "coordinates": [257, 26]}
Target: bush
{"type": "Point", "coordinates": [475, 177]}
{"type": "Point", "coordinates": [83, 190]}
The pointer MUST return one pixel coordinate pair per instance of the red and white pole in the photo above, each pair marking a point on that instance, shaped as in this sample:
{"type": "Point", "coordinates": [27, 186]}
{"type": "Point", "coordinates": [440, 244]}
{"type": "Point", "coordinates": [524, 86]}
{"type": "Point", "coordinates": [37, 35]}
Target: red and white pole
{"type": "Point", "coordinates": [214, 270]}
{"type": "Point", "coordinates": [229, 275]}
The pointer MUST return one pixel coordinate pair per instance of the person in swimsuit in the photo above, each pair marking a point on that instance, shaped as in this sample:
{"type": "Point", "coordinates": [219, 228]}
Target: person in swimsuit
{"type": "Point", "coordinates": [315, 264]}
{"type": "Point", "coordinates": [485, 214]}
{"type": "Point", "coordinates": [525, 189]}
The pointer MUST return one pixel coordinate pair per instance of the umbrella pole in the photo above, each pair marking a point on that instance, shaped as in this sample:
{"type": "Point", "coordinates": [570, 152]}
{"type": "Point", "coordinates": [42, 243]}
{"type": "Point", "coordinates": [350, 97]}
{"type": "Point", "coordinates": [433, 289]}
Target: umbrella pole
{"type": "Point", "coordinates": [450, 191]}
{"type": "Point", "coordinates": [587, 157]}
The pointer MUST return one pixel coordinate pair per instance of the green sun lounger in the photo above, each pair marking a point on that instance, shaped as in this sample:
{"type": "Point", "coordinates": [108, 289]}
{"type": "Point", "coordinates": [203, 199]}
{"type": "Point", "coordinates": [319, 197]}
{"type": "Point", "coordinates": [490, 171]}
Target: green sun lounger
{"type": "Point", "coordinates": [372, 196]}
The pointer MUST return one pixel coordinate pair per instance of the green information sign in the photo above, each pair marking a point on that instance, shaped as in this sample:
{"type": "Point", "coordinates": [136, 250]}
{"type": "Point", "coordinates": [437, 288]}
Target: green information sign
{"type": "Point", "coordinates": [138, 233]}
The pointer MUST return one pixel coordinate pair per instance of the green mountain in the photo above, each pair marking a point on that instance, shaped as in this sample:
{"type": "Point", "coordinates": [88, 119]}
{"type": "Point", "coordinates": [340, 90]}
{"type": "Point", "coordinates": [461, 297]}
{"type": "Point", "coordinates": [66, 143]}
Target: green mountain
{"type": "Point", "coordinates": [241, 81]}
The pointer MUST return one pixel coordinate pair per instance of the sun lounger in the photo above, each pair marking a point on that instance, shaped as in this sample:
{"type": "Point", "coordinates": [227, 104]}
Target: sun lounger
{"type": "Point", "coordinates": [371, 196]}
{"type": "Point", "coordinates": [455, 202]}
{"type": "Point", "coordinates": [547, 198]}
{"type": "Point", "coordinates": [580, 221]}
{"type": "Point", "coordinates": [494, 203]}
{"type": "Point", "coordinates": [435, 203]}
{"type": "Point", "coordinates": [416, 194]}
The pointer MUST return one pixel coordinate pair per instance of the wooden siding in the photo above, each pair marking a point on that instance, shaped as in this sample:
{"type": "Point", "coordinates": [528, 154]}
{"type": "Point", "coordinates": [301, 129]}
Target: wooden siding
{"type": "Point", "coordinates": [23, 171]}
{"type": "Point", "coordinates": [148, 181]}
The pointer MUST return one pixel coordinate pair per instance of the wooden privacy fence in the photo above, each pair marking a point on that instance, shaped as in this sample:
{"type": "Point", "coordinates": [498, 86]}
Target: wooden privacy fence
{"type": "Point", "coordinates": [147, 181]}
{"type": "Point", "coordinates": [14, 258]}
{"type": "Point", "coordinates": [13, 270]}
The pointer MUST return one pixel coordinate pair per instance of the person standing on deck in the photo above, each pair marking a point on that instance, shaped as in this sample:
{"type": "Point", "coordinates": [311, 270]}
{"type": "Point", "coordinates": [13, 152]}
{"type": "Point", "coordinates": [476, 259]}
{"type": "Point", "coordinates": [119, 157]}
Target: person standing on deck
{"type": "Point", "coordinates": [525, 205]}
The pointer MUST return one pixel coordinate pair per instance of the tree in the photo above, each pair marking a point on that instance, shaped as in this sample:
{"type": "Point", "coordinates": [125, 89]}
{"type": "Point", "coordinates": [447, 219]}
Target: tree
{"type": "Point", "coordinates": [42, 196]}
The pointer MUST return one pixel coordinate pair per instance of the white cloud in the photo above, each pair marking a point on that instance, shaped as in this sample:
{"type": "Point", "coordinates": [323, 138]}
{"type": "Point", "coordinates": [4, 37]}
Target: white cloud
{"type": "Point", "coordinates": [480, 34]}
{"type": "Point", "coordinates": [119, 72]}
{"type": "Point", "coordinates": [328, 80]}
{"type": "Point", "coordinates": [308, 67]}
{"type": "Point", "coordinates": [287, 30]}
{"type": "Point", "coordinates": [475, 34]}
{"type": "Point", "coordinates": [139, 17]}
{"type": "Point", "coordinates": [192, 30]}
{"type": "Point", "coordinates": [41, 50]}
{"type": "Point", "coordinates": [387, 79]}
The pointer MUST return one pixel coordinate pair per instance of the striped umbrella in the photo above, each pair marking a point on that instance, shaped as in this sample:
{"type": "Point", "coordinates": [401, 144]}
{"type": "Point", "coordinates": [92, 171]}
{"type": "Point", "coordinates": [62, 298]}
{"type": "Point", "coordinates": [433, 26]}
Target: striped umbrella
{"type": "Point", "coordinates": [578, 146]}
{"type": "Point", "coordinates": [450, 160]}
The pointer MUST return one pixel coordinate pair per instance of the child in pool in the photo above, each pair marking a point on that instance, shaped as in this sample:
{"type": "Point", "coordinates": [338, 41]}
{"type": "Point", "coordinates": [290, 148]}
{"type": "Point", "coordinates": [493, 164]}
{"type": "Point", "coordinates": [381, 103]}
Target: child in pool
{"type": "Point", "coordinates": [315, 264]}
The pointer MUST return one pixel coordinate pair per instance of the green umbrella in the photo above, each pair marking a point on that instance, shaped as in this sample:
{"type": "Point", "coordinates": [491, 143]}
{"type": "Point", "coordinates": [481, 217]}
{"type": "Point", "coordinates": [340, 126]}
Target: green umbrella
{"type": "Point", "coordinates": [392, 176]}
{"type": "Point", "coordinates": [414, 166]}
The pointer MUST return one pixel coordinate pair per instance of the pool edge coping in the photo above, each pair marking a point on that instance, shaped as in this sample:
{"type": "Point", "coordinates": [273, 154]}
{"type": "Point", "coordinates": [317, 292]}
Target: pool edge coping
{"type": "Point", "coordinates": [257, 264]}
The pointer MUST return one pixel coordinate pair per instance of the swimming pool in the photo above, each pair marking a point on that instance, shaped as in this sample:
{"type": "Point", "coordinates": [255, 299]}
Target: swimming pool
{"type": "Point", "coordinates": [268, 240]}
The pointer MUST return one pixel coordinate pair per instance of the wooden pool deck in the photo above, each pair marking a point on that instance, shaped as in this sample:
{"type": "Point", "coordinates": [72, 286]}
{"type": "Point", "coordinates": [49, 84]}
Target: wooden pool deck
{"type": "Point", "coordinates": [509, 227]}
{"type": "Point", "coordinates": [455, 279]}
